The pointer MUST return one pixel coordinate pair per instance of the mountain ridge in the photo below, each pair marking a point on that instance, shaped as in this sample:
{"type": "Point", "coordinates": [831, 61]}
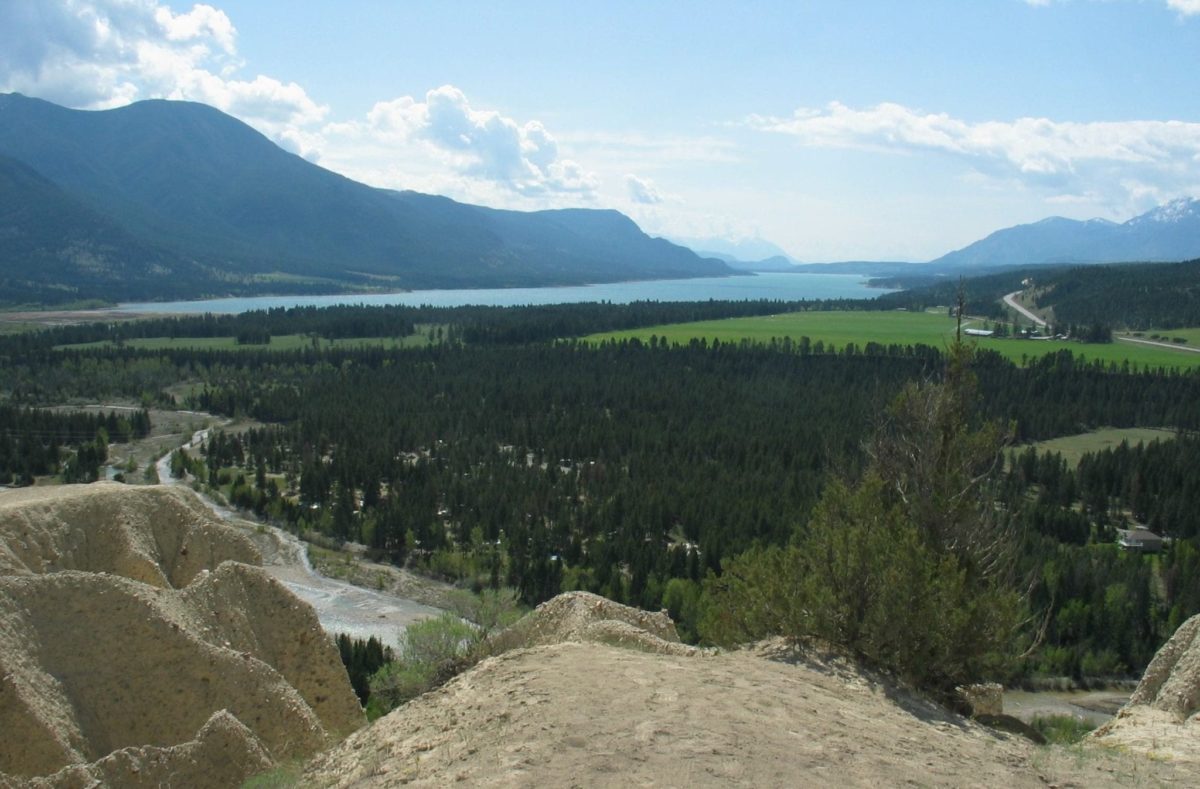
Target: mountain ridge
{"type": "Point", "coordinates": [1166, 233]}
{"type": "Point", "coordinates": [188, 184]}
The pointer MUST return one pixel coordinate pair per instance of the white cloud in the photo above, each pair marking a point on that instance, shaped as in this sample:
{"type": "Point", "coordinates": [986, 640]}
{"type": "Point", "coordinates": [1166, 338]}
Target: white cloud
{"type": "Point", "coordinates": [97, 54]}
{"type": "Point", "coordinates": [642, 191]}
{"type": "Point", "coordinates": [1119, 163]}
{"type": "Point", "coordinates": [203, 21]}
{"type": "Point", "coordinates": [483, 145]}
{"type": "Point", "coordinates": [1185, 7]}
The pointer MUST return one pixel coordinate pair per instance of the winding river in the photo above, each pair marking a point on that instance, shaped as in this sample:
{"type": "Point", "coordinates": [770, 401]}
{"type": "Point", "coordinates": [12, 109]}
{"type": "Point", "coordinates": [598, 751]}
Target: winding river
{"type": "Point", "coordinates": [341, 607]}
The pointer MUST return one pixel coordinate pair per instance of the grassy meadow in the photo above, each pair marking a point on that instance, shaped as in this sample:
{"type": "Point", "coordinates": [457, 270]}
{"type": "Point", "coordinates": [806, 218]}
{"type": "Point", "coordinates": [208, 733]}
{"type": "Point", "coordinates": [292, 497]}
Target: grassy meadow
{"type": "Point", "coordinates": [1072, 448]}
{"type": "Point", "coordinates": [900, 328]}
{"type": "Point", "coordinates": [1168, 335]}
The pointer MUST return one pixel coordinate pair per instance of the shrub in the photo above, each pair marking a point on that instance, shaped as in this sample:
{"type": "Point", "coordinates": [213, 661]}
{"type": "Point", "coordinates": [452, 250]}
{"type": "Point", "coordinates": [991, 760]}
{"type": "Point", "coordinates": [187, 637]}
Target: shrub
{"type": "Point", "coordinates": [864, 577]}
{"type": "Point", "coordinates": [433, 651]}
{"type": "Point", "coordinates": [1061, 729]}
{"type": "Point", "coordinates": [1104, 663]}
{"type": "Point", "coordinates": [681, 598]}
{"type": "Point", "coordinates": [281, 777]}
{"type": "Point", "coordinates": [489, 610]}
{"type": "Point", "coordinates": [907, 567]}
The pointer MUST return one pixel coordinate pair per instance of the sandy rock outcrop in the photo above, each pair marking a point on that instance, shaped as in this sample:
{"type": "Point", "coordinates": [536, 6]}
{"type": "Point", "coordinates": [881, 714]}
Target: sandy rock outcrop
{"type": "Point", "coordinates": [281, 631]}
{"type": "Point", "coordinates": [161, 536]}
{"type": "Point", "coordinates": [583, 616]}
{"type": "Point", "coordinates": [222, 754]}
{"type": "Point", "coordinates": [1163, 714]}
{"type": "Point", "coordinates": [575, 712]}
{"type": "Point", "coordinates": [104, 675]}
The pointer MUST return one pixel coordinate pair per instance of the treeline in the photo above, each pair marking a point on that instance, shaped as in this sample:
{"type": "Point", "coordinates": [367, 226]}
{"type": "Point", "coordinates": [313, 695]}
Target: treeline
{"type": "Point", "coordinates": [362, 658]}
{"type": "Point", "coordinates": [36, 442]}
{"type": "Point", "coordinates": [1058, 394]}
{"type": "Point", "coordinates": [472, 324]}
{"type": "Point", "coordinates": [1107, 610]}
{"type": "Point", "coordinates": [1154, 483]}
{"type": "Point", "coordinates": [636, 469]}
{"type": "Point", "coordinates": [1137, 297]}
{"type": "Point", "coordinates": [37, 377]}
{"type": "Point", "coordinates": [335, 322]}
{"type": "Point", "coordinates": [982, 294]}
{"type": "Point", "coordinates": [1134, 296]}
{"type": "Point", "coordinates": [613, 468]}
{"type": "Point", "coordinates": [508, 326]}
{"type": "Point", "coordinates": [562, 466]}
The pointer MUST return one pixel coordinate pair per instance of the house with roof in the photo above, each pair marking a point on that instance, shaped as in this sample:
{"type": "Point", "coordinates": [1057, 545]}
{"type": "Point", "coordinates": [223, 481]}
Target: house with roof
{"type": "Point", "coordinates": [1142, 540]}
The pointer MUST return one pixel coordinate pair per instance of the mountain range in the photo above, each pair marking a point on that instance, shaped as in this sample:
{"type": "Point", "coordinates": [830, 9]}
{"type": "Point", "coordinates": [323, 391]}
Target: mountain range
{"type": "Point", "coordinates": [163, 199]}
{"type": "Point", "coordinates": [743, 250]}
{"type": "Point", "coordinates": [1170, 232]}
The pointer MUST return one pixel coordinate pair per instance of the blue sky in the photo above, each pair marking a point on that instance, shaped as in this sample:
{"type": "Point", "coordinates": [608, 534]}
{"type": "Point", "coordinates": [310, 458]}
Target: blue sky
{"type": "Point", "coordinates": [836, 130]}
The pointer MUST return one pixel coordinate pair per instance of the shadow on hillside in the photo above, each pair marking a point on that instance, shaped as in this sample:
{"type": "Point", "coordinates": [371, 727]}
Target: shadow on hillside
{"type": "Point", "coordinates": [829, 661]}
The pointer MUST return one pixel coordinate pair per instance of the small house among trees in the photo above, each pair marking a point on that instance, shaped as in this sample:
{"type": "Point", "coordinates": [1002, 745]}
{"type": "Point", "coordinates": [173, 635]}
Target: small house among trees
{"type": "Point", "coordinates": [1142, 540]}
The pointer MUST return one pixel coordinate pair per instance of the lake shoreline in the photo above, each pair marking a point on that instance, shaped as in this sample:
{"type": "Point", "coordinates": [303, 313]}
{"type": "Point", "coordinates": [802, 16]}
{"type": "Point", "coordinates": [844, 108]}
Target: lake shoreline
{"type": "Point", "coordinates": [764, 286]}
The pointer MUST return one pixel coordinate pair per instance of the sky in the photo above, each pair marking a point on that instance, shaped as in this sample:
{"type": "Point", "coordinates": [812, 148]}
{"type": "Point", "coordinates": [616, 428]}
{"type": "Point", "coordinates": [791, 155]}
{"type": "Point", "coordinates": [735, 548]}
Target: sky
{"type": "Point", "coordinates": [839, 130]}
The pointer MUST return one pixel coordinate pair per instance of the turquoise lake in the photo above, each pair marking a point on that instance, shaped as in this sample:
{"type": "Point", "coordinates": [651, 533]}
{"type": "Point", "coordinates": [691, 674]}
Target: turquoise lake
{"type": "Point", "coordinates": [787, 287]}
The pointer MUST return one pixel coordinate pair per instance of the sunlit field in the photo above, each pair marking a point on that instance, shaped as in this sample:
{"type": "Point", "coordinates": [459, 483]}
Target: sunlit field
{"type": "Point", "coordinates": [839, 329]}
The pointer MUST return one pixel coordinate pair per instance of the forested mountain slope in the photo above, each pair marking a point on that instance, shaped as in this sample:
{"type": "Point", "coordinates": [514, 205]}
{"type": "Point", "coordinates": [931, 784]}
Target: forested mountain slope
{"type": "Point", "coordinates": [1168, 232]}
{"type": "Point", "coordinates": [182, 186]}
{"type": "Point", "coordinates": [54, 247]}
{"type": "Point", "coordinates": [1130, 296]}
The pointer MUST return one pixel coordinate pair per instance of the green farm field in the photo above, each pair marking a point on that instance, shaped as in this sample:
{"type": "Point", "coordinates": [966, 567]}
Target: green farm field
{"type": "Point", "coordinates": [1168, 335]}
{"type": "Point", "coordinates": [898, 328]}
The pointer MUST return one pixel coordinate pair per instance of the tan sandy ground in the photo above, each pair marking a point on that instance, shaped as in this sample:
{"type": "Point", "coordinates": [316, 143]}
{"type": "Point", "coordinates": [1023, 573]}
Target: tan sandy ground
{"type": "Point", "coordinates": [1162, 718]}
{"type": "Point", "coordinates": [160, 536]}
{"type": "Point", "coordinates": [51, 318]}
{"type": "Point", "coordinates": [585, 713]}
{"type": "Point", "coordinates": [138, 648]}
{"type": "Point", "coordinates": [354, 568]}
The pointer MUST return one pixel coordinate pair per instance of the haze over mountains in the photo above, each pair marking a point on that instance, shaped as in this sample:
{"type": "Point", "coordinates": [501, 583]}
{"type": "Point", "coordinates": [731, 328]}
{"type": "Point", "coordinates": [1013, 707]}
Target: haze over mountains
{"type": "Point", "coordinates": [1170, 232]}
{"type": "Point", "coordinates": [174, 199]}
{"type": "Point", "coordinates": [164, 199]}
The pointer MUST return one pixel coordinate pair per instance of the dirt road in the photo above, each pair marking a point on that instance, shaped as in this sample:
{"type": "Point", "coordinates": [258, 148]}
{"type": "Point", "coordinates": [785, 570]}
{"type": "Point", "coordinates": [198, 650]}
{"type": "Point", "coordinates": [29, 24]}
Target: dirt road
{"type": "Point", "coordinates": [1011, 300]}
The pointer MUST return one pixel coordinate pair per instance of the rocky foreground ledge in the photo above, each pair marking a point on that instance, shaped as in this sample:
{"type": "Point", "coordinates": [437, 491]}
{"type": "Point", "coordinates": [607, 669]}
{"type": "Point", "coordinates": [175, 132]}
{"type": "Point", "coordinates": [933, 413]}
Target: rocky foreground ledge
{"type": "Point", "coordinates": [1162, 718]}
{"type": "Point", "coordinates": [604, 695]}
{"type": "Point", "coordinates": [140, 645]}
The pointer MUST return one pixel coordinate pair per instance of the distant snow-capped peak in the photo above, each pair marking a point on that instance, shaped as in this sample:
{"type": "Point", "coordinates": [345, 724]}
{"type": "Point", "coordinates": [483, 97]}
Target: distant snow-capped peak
{"type": "Point", "coordinates": [1174, 211]}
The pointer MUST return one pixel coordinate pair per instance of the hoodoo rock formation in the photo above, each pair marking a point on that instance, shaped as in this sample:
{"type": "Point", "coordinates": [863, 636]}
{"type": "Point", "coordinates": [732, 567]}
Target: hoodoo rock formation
{"type": "Point", "coordinates": [138, 641]}
{"type": "Point", "coordinates": [1162, 717]}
